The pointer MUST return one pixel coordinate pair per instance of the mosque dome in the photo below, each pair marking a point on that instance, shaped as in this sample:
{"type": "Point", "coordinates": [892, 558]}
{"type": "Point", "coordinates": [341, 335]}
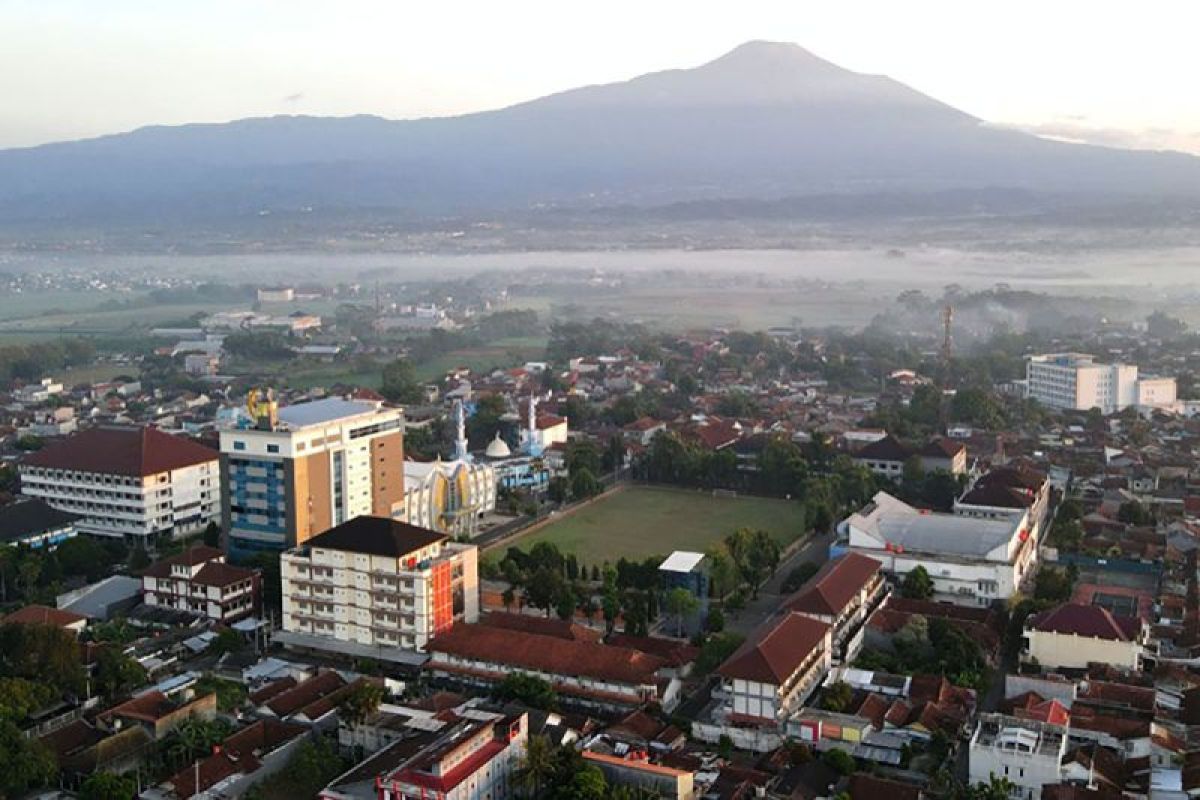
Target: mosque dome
{"type": "Point", "coordinates": [497, 448]}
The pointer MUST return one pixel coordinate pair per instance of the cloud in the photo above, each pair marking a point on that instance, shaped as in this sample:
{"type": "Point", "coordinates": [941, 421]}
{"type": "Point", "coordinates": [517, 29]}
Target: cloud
{"type": "Point", "coordinates": [294, 98]}
{"type": "Point", "coordinates": [1076, 129]}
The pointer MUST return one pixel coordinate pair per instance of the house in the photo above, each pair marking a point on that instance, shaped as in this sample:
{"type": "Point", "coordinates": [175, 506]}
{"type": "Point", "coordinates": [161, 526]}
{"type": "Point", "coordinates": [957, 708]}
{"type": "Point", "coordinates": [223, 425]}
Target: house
{"type": "Point", "coordinates": [771, 674]}
{"type": "Point", "coordinates": [44, 615]}
{"type": "Point", "coordinates": [843, 594]}
{"type": "Point", "coordinates": [944, 454]}
{"type": "Point", "coordinates": [885, 457]}
{"type": "Point", "coordinates": [157, 713]}
{"type": "Point", "coordinates": [257, 751]}
{"type": "Point", "coordinates": [199, 582]}
{"type": "Point", "coordinates": [35, 524]}
{"type": "Point", "coordinates": [1074, 635]}
{"type": "Point", "coordinates": [638, 772]}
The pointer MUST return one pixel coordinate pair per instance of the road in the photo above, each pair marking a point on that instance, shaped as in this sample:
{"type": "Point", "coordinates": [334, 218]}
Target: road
{"type": "Point", "coordinates": [770, 596]}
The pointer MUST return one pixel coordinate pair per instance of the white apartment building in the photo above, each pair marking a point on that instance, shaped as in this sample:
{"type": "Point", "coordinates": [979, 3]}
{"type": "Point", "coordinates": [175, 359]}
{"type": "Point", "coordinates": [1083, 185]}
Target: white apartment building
{"type": "Point", "coordinates": [972, 560]}
{"type": "Point", "coordinates": [1076, 381]}
{"type": "Point", "coordinates": [297, 471]}
{"type": "Point", "coordinates": [1028, 753]}
{"type": "Point", "coordinates": [128, 482]}
{"type": "Point", "coordinates": [374, 584]}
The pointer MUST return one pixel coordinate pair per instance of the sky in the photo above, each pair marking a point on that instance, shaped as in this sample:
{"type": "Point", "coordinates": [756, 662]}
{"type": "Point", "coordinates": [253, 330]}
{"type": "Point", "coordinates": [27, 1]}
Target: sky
{"type": "Point", "coordinates": [1107, 71]}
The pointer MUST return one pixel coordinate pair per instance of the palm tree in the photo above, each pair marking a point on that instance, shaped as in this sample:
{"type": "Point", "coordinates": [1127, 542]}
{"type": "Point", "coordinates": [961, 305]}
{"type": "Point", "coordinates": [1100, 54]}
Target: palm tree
{"type": "Point", "coordinates": [537, 765]}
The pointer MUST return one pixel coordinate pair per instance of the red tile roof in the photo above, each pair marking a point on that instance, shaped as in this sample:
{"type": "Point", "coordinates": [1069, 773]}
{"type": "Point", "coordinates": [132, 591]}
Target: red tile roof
{"type": "Point", "coordinates": [135, 452]}
{"type": "Point", "coordinates": [889, 448]}
{"type": "Point", "coordinates": [521, 650]}
{"type": "Point", "coordinates": [1086, 620]}
{"type": "Point", "coordinates": [837, 583]}
{"type": "Point", "coordinates": [43, 615]}
{"type": "Point", "coordinates": [192, 556]}
{"type": "Point", "coordinates": [219, 574]}
{"type": "Point", "coordinates": [289, 702]}
{"type": "Point", "coordinates": [776, 649]}
{"type": "Point", "coordinates": [868, 787]}
{"type": "Point", "coordinates": [542, 626]}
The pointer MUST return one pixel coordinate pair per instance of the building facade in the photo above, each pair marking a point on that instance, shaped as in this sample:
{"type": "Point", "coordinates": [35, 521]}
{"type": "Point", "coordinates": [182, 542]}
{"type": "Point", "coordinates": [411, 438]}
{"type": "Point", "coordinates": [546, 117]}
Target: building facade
{"type": "Point", "coordinates": [769, 677]}
{"type": "Point", "coordinates": [127, 482]}
{"type": "Point", "coordinates": [293, 473]}
{"type": "Point", "coordinates": [1028, 753]}
{"type": "Point", "coordinates": [200, 583]}
{"type": "Point", "coordinates": [450, 496]}
{"type": "Point", "coordinates": [1074, 635]}
{"type": "Point", "coordinates": [843, 594]}
{"type": "Point", "coordinates": [379, 583]}
{"type": "Point", "coordinates": [1076, 381]}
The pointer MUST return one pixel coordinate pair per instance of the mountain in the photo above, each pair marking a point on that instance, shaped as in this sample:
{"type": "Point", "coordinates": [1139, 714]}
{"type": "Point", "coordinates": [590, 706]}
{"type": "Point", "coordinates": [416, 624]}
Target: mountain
{"type": "Point", "coordinates": [763, 122]}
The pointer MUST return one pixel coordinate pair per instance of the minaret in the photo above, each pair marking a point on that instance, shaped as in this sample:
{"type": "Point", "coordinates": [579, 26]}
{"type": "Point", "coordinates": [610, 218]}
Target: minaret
{"type": "Point", "coordinates": [460, 427]}
{"type": "Point", "coordinates": [531, 430]}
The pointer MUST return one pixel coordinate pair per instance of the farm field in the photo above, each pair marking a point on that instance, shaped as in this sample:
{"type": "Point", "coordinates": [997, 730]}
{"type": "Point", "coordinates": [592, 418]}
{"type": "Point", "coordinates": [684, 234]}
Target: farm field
{"type": "Point", "coordinates": [642, 521]}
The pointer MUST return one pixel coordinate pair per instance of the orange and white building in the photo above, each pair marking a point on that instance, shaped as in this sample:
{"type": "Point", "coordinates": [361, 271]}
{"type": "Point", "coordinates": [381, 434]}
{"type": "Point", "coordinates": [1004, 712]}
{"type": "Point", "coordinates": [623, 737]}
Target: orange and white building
{"type": "Point", "coordinates": [376, 586]}
{"type": "Point", "coordinates": [292, 473]}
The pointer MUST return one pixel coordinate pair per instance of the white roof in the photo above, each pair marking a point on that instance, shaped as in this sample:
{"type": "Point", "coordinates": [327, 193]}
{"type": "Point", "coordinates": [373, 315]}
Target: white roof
{"type": "Point", "coordinates": [329, 409]}
{"type": "Point", "coordinates": [891, 521]}
{"type": "Point", "coordinates": [681, 561]}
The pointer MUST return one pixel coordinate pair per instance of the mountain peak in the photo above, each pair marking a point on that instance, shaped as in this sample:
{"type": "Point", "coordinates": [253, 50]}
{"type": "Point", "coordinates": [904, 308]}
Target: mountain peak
{"type": "Point", "coordinates": [760, 52]}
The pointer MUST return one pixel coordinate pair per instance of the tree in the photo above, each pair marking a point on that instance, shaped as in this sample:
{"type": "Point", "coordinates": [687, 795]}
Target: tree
{"type": "Point", "coordinates": [1161, 325]}
{"type": "Point", "coordinates": [799, 576]}
{"type": "Point", "coordinates": [917, 584]}
{"type": "Point", "coordinates": [544, 588]}
{"type": "Point", "coordinates": [116, 673]}
{"type": "Point", "coordinates": [528, 689]}
{"type": "Point", "coordinates": [996, 788]}
{"type": "Point", "coordinates": [1131, 512]}
{"type": "Point", "coordinates": [537, 766]}
{"type": "Point", "coordinates": [25, 764]}
{"type": "Point", "coordinates": [108, 786]}
{"type": "Point", "coordinates": [139, 559]}
{"type": "Point", "coordinates": [584, 484]}
{"type": "Point", "coordinates": [716, 620]}
{"type": "Point", "coordinates": [361, 702]}
{"type": "Point", "coordinates": [715, 650]}
{"type": "Point", "coordinates": [1053, 585]}
{"type": "Point", "coordinates": [83, 555]}
{"type": "Point", "coordinates": [559, 489]}
{"type": "Point", "coordinates": [837, 697]}
{"type": "Point", "coordinates": [212, 535]}
{"type": "Point", "coordinates": [681, 604]}
{"type": "Point", "coordinates": [400, 383]}
{"type": "Point", "coordinates": [840, 761]}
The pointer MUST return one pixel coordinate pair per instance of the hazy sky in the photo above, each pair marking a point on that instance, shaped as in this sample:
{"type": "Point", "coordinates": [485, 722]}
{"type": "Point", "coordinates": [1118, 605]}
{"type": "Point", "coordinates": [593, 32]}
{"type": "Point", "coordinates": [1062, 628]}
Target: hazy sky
{"type": "Point", "coordinates": [1101, 70]}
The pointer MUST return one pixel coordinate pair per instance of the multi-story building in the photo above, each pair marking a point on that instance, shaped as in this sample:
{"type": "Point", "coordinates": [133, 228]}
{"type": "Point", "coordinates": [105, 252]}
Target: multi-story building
{"type": "Point", "coordinates": [1027, 752]}
{"type": "Point", "coordinates": [473, 758]}
{"type": "Point", "coordinates": [129, 482]}
{"type": "Point", "coordinates": [297, 471]}
{"type": "Point", "coordinates": [843, 594]}
{"type": "Point", "coordinates": [1078, 382]}
{"type": "Point", "coordinates": [200, 583]}
{"type": "Point", "coordinates": [972, 560]}
{"type": "Point", "coordinates": [450, 496]}
{"type": "Point", "coordinates": [373, 583]}
{"type": "Point", "coordinates": [769, 677]}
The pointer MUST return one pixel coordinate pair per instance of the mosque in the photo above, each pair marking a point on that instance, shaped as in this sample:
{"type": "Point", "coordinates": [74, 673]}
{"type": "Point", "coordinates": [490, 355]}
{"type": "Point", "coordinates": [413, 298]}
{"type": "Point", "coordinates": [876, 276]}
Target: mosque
{"type": "Point", "coordinates": [450, 496]}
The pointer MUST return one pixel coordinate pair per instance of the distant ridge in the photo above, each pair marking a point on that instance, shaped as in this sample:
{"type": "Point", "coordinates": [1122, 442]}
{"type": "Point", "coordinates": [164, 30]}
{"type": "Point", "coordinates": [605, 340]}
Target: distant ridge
{"type": "Point", "coordinates": [765, 121]}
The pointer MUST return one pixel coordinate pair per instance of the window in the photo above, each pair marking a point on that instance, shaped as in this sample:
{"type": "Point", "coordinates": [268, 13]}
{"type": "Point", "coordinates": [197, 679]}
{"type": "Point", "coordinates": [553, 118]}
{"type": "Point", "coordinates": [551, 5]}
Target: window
{"type": "Point", "coordinates": [272, 448]}
{"type": "Point", "coordinates": [239, 445]}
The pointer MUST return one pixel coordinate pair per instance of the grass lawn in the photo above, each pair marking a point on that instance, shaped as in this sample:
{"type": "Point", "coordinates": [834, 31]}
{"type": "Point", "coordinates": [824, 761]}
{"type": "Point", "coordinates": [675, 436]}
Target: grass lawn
{"type": "Point", "coordinates": [641, 521]}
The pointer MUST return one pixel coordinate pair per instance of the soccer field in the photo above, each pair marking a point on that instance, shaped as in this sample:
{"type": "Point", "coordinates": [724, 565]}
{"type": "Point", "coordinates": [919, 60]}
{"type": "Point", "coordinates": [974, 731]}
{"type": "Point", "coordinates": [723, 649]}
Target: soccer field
{"type": "Point", "coordinates": [640, 521]}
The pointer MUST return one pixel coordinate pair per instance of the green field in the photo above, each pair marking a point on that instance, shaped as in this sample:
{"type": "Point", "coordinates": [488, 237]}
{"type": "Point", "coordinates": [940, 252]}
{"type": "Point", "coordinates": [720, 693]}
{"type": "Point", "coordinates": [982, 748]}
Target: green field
{"type": "Point", "coordinates": [640, 522]}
